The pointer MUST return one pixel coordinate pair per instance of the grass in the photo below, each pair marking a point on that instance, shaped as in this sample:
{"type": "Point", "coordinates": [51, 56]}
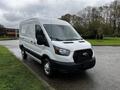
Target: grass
{"type": "Point", "coordinates": [7, 38]}
{"type": "Point", "coordinates": [14, 75]}
{"type": "Point", "coordinates": [105, 42]}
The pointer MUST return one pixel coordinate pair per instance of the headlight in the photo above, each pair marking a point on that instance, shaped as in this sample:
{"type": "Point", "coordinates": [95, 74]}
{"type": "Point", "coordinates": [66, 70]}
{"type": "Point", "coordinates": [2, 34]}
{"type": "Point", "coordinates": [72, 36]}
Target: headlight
{"type": "Point", "coordinates": [61, 51]}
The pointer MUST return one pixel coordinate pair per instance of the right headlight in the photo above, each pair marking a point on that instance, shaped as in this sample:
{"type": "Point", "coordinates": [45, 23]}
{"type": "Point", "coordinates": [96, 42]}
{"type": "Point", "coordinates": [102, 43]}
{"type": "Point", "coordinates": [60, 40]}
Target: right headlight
{"type": "Point", "coordinates": [61, 51]}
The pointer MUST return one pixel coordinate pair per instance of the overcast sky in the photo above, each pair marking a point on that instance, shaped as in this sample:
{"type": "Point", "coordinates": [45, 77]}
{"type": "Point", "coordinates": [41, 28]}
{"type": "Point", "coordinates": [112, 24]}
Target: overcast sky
{"type": "Point", "coordinates": [13, 11]}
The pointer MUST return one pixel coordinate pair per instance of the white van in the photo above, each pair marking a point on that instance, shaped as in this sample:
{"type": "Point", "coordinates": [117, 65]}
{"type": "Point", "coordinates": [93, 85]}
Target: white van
{"type": "Point", "coordinates": [55, 44]}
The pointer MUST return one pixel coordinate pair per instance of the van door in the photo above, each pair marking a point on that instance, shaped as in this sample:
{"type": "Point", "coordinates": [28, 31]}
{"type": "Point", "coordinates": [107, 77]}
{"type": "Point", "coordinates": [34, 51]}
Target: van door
{"type": "Point", "coordinates": [28, 36]}
{"type": "Point", "coordinates": [41, 41]}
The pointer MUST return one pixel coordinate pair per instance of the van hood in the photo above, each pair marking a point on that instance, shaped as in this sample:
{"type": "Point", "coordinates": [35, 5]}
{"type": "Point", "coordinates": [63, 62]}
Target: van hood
{"type": "Point", "coordinates": [72, 45]}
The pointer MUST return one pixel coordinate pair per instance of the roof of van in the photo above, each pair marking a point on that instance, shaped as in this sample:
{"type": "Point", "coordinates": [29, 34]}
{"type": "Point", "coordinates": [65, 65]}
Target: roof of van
{"type": "Point", "coordinates": [53, 21]}
{"type": "Point", "coordinates": [47, 21]}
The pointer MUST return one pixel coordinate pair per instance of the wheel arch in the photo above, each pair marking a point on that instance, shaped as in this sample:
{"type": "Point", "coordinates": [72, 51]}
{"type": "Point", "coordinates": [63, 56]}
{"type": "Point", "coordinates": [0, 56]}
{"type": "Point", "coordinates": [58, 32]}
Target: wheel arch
{"type": "Point", "coordinates": [43, 57]}
{"type": "Point", "coordinates": [21, 47]}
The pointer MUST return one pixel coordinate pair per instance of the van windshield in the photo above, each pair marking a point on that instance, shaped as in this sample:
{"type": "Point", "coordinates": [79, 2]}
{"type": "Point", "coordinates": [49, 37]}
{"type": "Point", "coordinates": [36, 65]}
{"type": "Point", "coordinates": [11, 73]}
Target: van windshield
{"type": "Point", "coordinates": [61, 32]}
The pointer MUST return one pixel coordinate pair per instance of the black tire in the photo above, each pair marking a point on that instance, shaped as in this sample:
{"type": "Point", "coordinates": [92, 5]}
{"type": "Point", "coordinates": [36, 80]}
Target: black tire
{"type": "Point", "coordinates": [90, 66]}
{"type": "Point", "coordinates": [24, 55]}
{"type": "Point", "coordinates": [48, 71]}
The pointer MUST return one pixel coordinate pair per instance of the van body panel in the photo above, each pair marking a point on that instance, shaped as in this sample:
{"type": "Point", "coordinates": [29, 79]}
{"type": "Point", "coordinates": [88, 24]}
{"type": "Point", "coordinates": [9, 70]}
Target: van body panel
{"type": "Point", "coordinates": [28, 40]}
{"type": "Point", "coordinates": [75, 45]}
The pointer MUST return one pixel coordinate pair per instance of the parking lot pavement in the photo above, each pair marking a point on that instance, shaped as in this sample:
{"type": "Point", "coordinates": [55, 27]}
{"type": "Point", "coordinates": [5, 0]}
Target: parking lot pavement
{"type": "Point", "coordinates": [104, 76]}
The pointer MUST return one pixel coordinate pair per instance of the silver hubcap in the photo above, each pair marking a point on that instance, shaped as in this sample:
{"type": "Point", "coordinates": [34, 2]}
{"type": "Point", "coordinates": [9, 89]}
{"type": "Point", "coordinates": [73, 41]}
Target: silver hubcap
{"type": "Point", "coordinates": [47, 68]}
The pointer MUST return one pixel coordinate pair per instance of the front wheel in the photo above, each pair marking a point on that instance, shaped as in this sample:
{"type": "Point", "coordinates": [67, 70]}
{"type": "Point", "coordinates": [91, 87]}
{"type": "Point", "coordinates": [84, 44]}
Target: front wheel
{"type": "Point", "coordinates": [47, 68]}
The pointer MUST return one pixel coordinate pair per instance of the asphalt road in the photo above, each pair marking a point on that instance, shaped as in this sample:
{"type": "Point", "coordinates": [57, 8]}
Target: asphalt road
{"type": "Point", "coordinates": [104, 76]}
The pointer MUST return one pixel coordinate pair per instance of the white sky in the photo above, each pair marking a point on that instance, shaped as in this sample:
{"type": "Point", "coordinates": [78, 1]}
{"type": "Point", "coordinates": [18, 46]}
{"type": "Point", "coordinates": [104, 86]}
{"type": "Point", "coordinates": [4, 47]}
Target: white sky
{"type": "Point", "coordinates": [13, 11]}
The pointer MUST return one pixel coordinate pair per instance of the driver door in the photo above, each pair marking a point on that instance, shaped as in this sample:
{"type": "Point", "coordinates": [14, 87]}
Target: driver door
{"type": "Point", "coordinates": [39, 33]}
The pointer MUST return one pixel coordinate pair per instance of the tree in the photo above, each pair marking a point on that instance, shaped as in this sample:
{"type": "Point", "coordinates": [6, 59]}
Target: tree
{"type": "Point", "coordinates": [1, 26]}
{"type": "Point", "coordinates": [2, 32]}
{"type": "Point", "coordinates": [66, 17]}
{"type": "Point", "coordinates": [115, 13]}
{"type": "Point", "coordinates": [96, 22]}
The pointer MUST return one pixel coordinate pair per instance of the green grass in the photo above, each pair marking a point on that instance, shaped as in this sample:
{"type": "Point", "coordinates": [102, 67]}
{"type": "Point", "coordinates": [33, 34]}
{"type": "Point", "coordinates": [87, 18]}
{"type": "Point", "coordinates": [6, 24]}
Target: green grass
{"type": "Point", "coordinates": [14, 75]}
{"type": "Point", "coordinates": [105, 42]}
{"type": "Point", "coordinates": [7, 38]}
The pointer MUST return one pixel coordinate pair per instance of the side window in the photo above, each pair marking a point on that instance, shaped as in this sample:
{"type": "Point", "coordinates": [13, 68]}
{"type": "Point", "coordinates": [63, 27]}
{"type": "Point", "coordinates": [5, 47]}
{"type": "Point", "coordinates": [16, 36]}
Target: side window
{"type": "Point", "coordinates": [30, 30]}
{"type": "Point", "coordinates": [23, 30]}
{"type": "Point", "coordinates": [40, 35]}
{"type": "Point", "coordinates": [38, 31]}
{"type": "Point", "coordinates": [27, 30]}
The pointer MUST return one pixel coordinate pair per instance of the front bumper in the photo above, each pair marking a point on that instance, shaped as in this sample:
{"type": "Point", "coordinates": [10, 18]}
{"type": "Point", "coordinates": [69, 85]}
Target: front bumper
{"type": "Point", "coordinates": [71, 67]}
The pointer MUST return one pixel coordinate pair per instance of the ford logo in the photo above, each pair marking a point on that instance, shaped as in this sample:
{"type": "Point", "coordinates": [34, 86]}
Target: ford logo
{"type": "Point", "coordinates": [85, 54]}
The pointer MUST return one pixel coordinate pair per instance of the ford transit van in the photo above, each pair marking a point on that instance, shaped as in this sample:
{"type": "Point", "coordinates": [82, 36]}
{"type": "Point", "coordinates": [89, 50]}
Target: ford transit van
{"type": "Point", "coordinates": [56, 45]}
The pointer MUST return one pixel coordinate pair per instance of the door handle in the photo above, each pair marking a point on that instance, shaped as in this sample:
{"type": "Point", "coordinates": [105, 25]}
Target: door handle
{"type": "Point", "coordinates": [35, 43]}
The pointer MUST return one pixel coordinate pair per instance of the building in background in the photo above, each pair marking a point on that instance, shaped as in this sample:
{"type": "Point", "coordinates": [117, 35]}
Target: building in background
{"type": "Point", "coordinates": [12, 32]}
{"type": "Point", "coordinates": [9, 32]}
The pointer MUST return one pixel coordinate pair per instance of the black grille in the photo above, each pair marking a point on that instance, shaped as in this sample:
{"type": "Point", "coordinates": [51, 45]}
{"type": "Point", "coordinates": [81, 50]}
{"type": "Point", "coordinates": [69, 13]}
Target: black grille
{"type": "Point", "coordinates": [81, 56]}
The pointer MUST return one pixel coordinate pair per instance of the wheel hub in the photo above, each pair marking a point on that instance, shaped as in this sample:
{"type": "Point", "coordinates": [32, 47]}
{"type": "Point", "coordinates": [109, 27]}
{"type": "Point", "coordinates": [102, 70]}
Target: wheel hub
{"type": "Point", "coordinates": [47, 68]}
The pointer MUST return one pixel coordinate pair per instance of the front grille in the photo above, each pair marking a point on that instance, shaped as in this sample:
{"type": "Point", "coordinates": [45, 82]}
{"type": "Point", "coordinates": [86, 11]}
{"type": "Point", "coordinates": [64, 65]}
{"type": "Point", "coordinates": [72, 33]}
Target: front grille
{"type": "Point", "coordinates": [81, 56]}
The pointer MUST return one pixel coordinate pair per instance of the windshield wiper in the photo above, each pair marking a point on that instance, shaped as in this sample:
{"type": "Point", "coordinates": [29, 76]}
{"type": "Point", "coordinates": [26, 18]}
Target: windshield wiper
{"type": "Point", "coordinates": [72, 39]}
{"type": "Point", "coordinates": [57, 39]}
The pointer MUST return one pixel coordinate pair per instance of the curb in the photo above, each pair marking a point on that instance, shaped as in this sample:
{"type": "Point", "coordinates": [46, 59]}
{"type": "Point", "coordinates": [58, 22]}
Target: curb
{"type": "Point", "coordinates": [44, 83]}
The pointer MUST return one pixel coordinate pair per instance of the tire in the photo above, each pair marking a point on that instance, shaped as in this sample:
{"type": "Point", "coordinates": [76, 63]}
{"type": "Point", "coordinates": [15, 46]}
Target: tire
{"type": "Point", "coordinates": [90, 66]}
{"type": "Point", "coordinates": [48, 71]}
{"type": "Point", "coordinates": [24, 55]}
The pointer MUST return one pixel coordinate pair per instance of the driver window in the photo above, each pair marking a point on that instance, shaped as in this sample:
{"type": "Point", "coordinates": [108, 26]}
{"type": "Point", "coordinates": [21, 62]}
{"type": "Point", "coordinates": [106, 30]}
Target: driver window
{"type": "Point", "coordinates": [39, 34]}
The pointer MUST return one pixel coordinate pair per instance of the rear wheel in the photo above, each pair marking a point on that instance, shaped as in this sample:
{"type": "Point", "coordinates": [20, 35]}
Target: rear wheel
{"type": "Point", "coordinates": [24, 55]}
{"type": "Point", "coordinates": [47, 68]}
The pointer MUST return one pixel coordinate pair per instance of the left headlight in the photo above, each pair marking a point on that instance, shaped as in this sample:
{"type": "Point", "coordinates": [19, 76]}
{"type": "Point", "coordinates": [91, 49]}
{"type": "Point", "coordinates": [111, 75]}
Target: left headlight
{"type": "Point", "coordinates": [61, 51]}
